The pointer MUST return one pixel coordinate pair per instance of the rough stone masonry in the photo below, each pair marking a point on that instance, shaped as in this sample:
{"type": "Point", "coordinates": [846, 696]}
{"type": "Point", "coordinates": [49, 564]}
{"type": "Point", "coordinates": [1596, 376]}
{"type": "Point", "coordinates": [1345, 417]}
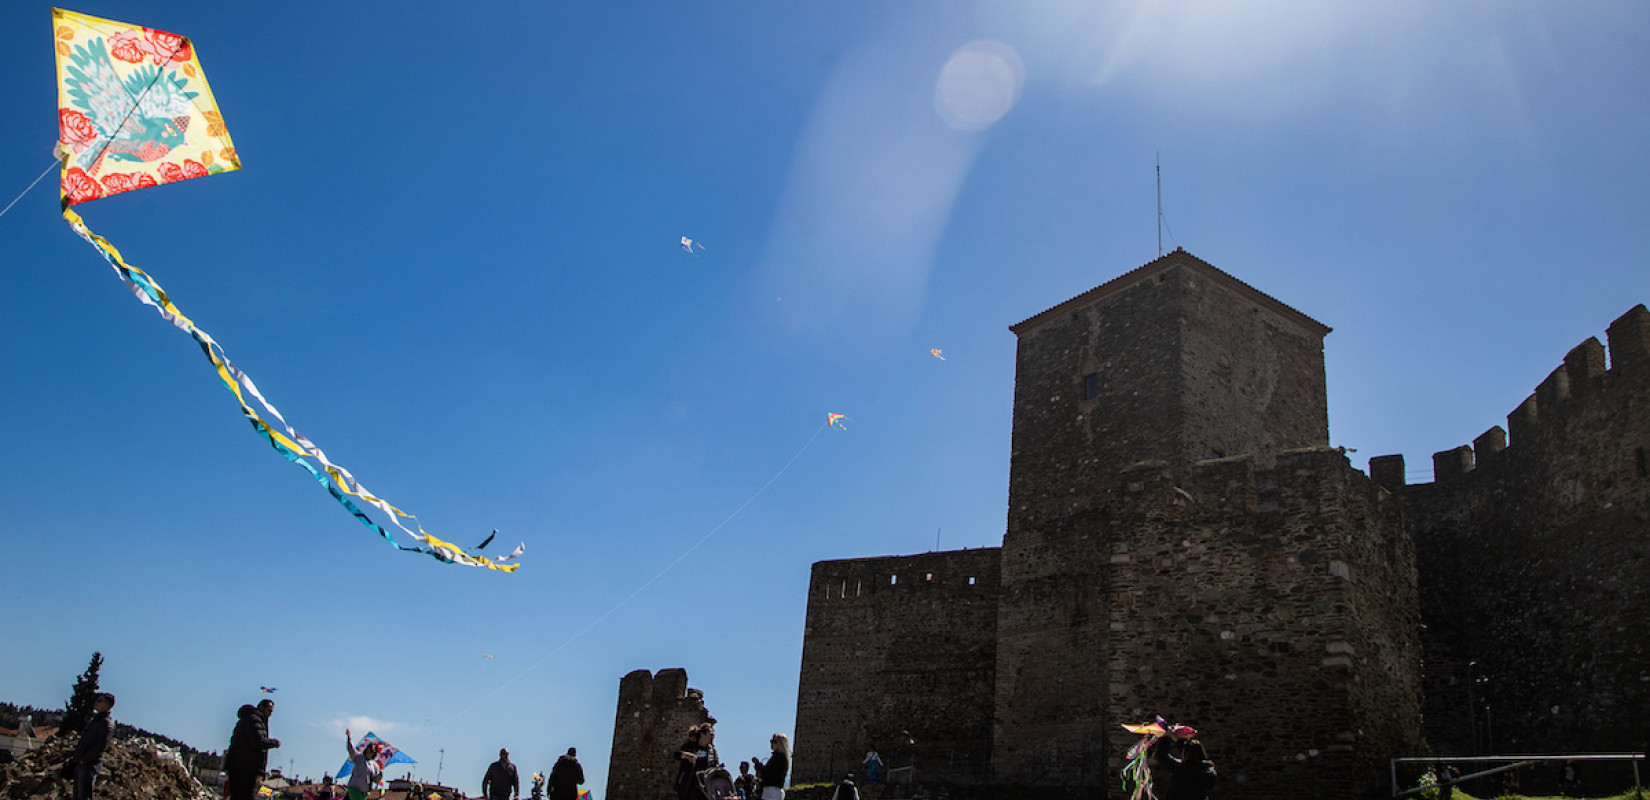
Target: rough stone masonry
{"type": "Point", "coordinates": [1181, 540]}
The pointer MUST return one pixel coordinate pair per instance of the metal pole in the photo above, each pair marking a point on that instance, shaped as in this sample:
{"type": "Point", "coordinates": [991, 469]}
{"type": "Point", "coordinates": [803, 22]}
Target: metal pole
{"type": "Point", "coordinates": [1472, 712]}
{"type": "Point", "coordinates": [1160, 206]}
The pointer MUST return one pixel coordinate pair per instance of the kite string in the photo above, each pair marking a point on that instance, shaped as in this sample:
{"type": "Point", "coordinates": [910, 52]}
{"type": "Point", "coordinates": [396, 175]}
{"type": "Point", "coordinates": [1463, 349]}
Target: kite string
{"type": "Point", "coordinates": [598, 620]}
{"type": "Point", "coordinates": [37, 181]}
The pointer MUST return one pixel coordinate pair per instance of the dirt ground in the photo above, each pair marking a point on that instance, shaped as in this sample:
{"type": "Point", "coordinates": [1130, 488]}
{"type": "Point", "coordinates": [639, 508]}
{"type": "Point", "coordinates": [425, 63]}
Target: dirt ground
{"type": "Point", "coordinates": [133, 770]}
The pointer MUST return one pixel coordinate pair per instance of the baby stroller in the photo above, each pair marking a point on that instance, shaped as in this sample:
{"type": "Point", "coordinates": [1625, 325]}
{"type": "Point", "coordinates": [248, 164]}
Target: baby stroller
{"type": "Point", "coordinates": [716, 784]}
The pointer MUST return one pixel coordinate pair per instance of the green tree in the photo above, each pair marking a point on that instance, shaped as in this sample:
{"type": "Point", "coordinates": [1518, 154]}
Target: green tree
{"type": "Point", "coordinates": [79, 710]}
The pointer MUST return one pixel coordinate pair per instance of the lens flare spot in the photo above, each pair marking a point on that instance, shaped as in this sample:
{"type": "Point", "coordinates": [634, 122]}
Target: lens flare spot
{"type": "Point", "coordinates": [978, 85]}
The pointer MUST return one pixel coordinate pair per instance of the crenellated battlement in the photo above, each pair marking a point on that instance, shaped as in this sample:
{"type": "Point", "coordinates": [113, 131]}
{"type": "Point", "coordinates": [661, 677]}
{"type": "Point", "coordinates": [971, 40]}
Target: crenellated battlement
{"type": "Point", "coordinates": [1572, 414]}
{"type": "Point", "coordinates": [894, 577]}
{"type": "Point", "coordinates": [1531, 535]}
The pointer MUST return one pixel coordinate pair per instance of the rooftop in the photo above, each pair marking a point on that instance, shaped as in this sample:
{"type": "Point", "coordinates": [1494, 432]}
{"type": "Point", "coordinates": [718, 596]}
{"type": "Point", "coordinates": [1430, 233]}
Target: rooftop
{"type": "Point", "coordinates": [1178, 258]}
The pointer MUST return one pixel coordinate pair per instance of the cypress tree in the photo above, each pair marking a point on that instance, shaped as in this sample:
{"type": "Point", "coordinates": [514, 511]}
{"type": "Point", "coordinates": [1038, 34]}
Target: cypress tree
{"type": "Point", "coordinates": [79, 710]}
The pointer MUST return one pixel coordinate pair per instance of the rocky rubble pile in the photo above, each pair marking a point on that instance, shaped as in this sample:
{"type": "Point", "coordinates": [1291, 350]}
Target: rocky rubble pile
{"type": "Point", "coordinates": [133, 770]}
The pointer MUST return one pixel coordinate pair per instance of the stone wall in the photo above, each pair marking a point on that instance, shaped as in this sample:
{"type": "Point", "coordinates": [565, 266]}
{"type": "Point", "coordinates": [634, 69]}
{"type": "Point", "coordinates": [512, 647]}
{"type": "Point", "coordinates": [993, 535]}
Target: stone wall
{"type": "Point", "coordinates": [1176, 362]}
{"type": "Point", "coordinates": [1535, 563]}
{"type": "Point", "coordinates": [899, 652]}
{"type": "Point", "coordinates": [1051, 694]}
{"type": "Point", "coordinates": [654, 714]}
{"type": "Point", "coordinates": [1273, 608]}
{"type": "Point", "coordinates": [1066, 442]}
{"type": "Point", "coordinates": [1253, 376]}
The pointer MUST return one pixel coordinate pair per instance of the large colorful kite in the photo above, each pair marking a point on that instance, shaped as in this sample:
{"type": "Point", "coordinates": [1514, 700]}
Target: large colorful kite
{"type": "Point", "coordinates": [387, 754]}
{"type": "Point", "coordinates": [134, 111]}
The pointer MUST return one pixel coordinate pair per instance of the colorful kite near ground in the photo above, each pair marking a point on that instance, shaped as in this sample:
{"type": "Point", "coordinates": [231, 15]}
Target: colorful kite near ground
{"type": "Point", "coordinates": [134, 111]}
{"type": "Point", "coordinates": [387, 754]}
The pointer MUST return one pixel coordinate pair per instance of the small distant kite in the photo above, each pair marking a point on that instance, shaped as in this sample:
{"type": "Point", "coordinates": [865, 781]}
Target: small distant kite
{"type": "Point", "coordinates": [487, 655]}
{"type": "Point", "coordinates": [267, 689]}
{"type": "Point", "coordinates": [935, 352]}
{"type": "Point", "coordinates": [835, 421]}
{"type": "Point", "coordinates": [689, 244]}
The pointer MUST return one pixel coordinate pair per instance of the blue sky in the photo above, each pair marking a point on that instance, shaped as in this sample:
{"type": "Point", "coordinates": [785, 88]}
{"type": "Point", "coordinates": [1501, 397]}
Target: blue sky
{"type": "Point", "coordinates": [451, 259]}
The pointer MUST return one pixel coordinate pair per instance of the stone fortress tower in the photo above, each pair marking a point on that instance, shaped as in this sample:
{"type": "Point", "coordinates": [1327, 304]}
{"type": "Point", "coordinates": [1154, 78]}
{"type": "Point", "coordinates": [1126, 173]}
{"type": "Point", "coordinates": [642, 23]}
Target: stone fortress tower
{"type": "Point", "coordinates": [1181, 540]}
{"type": "Point", "coordinates": [654, 714]}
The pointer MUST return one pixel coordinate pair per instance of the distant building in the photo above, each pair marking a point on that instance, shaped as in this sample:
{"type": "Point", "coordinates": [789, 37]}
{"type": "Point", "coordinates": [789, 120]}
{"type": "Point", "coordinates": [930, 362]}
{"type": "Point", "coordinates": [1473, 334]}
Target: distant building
{"type": "Point", "coordinates": [25, 737]}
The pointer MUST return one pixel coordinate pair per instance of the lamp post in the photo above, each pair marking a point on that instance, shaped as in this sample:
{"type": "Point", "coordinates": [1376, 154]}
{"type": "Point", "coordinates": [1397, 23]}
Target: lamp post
{"type": "Point", "coordinates": [440, 764]}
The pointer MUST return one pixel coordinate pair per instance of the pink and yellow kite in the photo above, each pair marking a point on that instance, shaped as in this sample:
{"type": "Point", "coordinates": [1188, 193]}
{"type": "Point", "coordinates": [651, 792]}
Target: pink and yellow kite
{"type": "Point", "coordinates": [134, 111]}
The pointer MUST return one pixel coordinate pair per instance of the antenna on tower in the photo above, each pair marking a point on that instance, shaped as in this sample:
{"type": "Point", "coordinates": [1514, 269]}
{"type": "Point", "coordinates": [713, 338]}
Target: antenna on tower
{"type": "Point", "coordinates": [1159, 156]}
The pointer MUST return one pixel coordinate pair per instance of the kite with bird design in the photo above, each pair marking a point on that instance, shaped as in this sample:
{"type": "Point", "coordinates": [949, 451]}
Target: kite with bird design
{"type": "Point", "coordinates": [135, 111]}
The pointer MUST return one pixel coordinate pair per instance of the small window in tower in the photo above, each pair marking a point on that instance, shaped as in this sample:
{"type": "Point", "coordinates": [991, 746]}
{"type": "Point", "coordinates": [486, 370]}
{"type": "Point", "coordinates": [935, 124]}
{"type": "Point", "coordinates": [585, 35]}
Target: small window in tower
{"type": "Point", "coordinates": [1091, 385]}
{"type": "Point", "coordinates": [971, 580]}
{"type": "Point", "coordinates": [928, 576]}
{"type": "Point", "coordinates": [893, 580]}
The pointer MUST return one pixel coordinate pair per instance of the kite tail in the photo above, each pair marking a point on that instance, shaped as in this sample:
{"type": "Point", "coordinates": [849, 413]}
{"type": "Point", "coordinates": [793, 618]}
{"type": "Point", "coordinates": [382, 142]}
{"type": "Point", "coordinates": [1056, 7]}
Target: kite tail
{"type": "Point", "coordinates": [292, 446]}
{"type": "Point", "coordinates": [1137, 775]}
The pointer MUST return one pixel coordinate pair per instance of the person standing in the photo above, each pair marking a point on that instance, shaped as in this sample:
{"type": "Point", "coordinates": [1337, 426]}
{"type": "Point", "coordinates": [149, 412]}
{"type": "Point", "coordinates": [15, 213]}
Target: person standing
{"type": "Point", "coordinates": [695, 755]}
{"type": "Point", "coordinates": [326, 791]}
{"type": "Point", "coordinates": [873, 765]}
{"type": "Point", "coordinates": [365, 771]}
{"type": "Point", "coordinates": [1165, 757]}
{"type": "Point", "coordinates": [1194, 774]}
{"type": "Point", "coordinates": [247, 760]}
{"type": "Point", "coordinates": [501, 781]}
{"type": "Point", "coordinates": [773, 772]}
{"type": "Point", "coordinates": [94, 739]}
{"type": "Point", "coordinates": [746, 783]}
{"type": "Point", "coordinates": [846, 790]}
{"type": "Point", "coordinates": [566, 776]}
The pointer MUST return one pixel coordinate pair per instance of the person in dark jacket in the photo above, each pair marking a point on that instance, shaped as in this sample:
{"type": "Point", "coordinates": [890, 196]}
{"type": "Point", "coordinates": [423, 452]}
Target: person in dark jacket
{"type": "Point", "coordinates": [846, 790]}
{"type": "Point", "coordinates": [746, 783]}
{"type": "Point", "coordinates": [772, 772]}
{"type": "Point", "coordinates": [566, 776]}
{"type": "Point", "coordinates": [695, 755]}
{"type": "Point", "coordinates": [1165, 756]}
{"type": "Point", "coordinates": [1194, 773]}
{"type": "Point", "coordinates": [501, 781]}
{"type": "Point", "coordinates": [247, 760]}
{"type": "Point", "coordinates": [94, 739]}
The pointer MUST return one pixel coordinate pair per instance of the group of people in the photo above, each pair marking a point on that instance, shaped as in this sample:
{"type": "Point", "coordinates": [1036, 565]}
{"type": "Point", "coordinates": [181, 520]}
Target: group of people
{"type": "Point", "coordinates": [1180, 765]}
{"type": "Point", "coordinates": [247, 761]}
{"type": "Point", "coordinates": [503, 782]}
{"type": "Point", "coordinates": [698, 766]}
